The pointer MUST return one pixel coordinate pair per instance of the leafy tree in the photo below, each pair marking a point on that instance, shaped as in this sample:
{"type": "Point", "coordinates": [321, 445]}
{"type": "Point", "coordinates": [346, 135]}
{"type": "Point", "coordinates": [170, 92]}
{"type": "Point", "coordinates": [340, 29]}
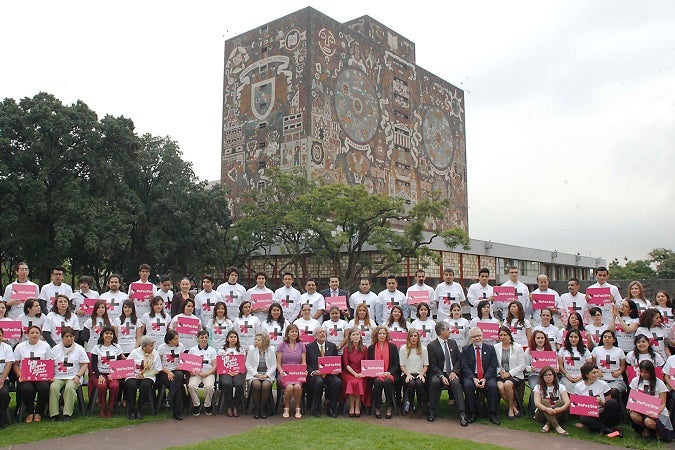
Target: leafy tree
{"type": "Point", "coordinates": [631, 270]}
{"type": "Point", "coordinates": [665, 262]}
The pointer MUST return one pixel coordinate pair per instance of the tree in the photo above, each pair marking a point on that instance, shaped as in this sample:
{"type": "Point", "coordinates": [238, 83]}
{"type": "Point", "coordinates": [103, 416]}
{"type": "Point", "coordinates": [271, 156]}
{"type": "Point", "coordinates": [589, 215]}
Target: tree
{"type": "Point", "coordinates": [632, 270]}
{"type": "Point", "coordinates": [665, 262]}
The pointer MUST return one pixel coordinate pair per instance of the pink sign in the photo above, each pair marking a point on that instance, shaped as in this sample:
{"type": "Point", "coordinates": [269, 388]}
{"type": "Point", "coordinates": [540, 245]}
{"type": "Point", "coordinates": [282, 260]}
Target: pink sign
{"type": "Point", "coordinates": [631, 373]}
{"type": "Point", "coordinates": [599, 296]}
{"type": "Point", "coordinates": [187, 325]}
{"type": "Point", "coordinates": [140, 292]}
{"type": "Point", "coordinates": [190, 363]}
{"type": "Point", "coordinates": [505, 294]}
{"type": "Point", "coordinates": [541, 301]}
{"type": "Point", "coordinates": [417, 297]}
{"type": "Point", "coordinates": [541, 359]}
{"type": "Point", "coordinates": [306, 337]}
{"type": "Point", "coordinates": [398, 338]}
{"type": "Point", "coordinates": [340, 301]}
{"type": "Point", "coordinates": [330, 365]}
{"type": "Point", "coordinates": [122, 368]}
{"type": "Point", "coordinates": [372, 368]}
{"type": "Point", "coordinates": [37, 369]}
{"type": "Point", "coordinates": [22, 292]}
{"type": "Point", "coordinates": [88, 305]}
{"type": "Point", "coordinates": [230, 365]}
{"type": "Point", "coordinates": [295, 373]}
{"type": "Point", "coordinates": [490, 330]}
{"type": "Point", "coordinates": [643, 403]}
{"type": "Point", "coordinates": [11, 329]}
{"type": "Point", "coordinates": [584, 405]}
{"type": "Point", "coordinates": [261, 301]}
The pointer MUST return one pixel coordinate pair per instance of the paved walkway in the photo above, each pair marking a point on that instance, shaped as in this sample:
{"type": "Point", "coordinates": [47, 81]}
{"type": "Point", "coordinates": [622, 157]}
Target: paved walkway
{"type": "Point", "coordinates": [169, 433]}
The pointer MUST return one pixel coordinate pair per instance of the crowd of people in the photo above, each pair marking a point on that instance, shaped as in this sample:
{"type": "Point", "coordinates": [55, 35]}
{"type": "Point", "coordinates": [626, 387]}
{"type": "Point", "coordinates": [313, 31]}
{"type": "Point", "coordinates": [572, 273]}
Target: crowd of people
{"type": "Point", "coordinates": [342, 353]}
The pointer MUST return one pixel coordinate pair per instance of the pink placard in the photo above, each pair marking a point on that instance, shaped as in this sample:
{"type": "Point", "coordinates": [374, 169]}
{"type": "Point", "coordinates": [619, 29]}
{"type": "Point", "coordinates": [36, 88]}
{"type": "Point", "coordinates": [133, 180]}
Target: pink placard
{"type": "Point", "coordinates": [261, 301]}
{"type": "Point", "coordinates": [295, 373]}
{"type": "Point", "coordinates": [305, 337]}
{"type": "Point", "coordinates": [541, 301]}
{"type": "Point", "coordinates": [599, 296]}
{"type": "Point", "coordinates": [584, 405]}
{"type": "Point", "coordinates": [631, 373]}
{"type": "Point", "coordinates": [22, 292]}
{"type": "Point", "coordinates": [490, 330]}
{"type": "Point", "coordinates": [230, 364]}
{"type": "Point", "coordinates": [122, 368]}
{"type": "Point", "coordinates": [340, 301]}
{"type": "Point", "coordinates": [11, 329]}
{"type": "Point", "coordinates": [643, 403]}
{"type": "Point", "coordinates": [190, 363]}
{"type": "Point", "coordinates": [140, 292]}
{"type": "Point", "coordinates": [187, 325]}
{"type": "Point", "coordinates": [88, 305]}
{"type": "Point", "coordinates": [398, 338]}
{"type": "Point", "coordinates": [417, 297]}
{"type": "Point", "coordinates": [505, 294]}
{"type": "Point", "coordinates": [37, 369]}
{"type": "Point", "coordinates": [371, 368]}
{"type": "Point", "coordinates": [541, 359]}
{"type": "Point", "coordinates": [330, 365]}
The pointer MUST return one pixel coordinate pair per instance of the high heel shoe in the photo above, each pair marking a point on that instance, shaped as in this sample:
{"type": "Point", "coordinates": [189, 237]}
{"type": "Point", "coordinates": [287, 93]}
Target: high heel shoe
{"type": "Point", "coordinates": [378, 414]}
{"type": "Point", "coordinates": [388, 415]}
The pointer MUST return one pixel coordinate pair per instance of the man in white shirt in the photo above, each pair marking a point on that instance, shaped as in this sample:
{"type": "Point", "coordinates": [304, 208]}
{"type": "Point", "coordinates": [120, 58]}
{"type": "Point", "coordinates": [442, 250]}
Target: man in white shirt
{"type": "Point", "coordinates": [573, 301]}
{"type": "Point", "coordinates": [542, 283]}
{"type": "Point", "coordinates": [165, 292]}
{"type": "Point", "coordinates": [77, 299]}
{"type": "Point", "coordinates": [288, 297]}
{"type": "Point", "coordinates": [366, 296]}
{"type": "Point", "coordinates": [420, 277]}
{"type": "Point", "coordinates": [143, 304]}
{"type": "Point", "coordinates": [478, 292]}
{"type": "Point", "coordinates": [57, 286]}
{"type": "Point", "coordinates": [314, 299]}
{"type": "Point", "coordinates": [206, 300]}
{"type": "Point", "coordinates": [389, 298]}
{"type": "Point", "coordinates": [114, 297]}
{"type": "Point", "coordinates": [447, 293]}
{"type": "Point", "coordinates": [232, 292]}
{"type": "Point", "coordinates": [522, 293]}
{"type": "Point", "coordinates": [601, 277]}
{"type": "Point", "coordinates": [24, 289]}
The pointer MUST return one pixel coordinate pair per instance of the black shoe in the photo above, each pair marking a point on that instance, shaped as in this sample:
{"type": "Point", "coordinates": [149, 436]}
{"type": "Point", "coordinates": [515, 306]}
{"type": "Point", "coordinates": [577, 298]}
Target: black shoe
{"type": "Point", "coordinates": [66, 418]}
{"type": "Point", "coordinates": [263, 415]}
{"type": "Point", "coordinates": [493, 419]}
{"type": "Point", "coordinates": [195, 411]}
{"type": "Point", "coordinates": [406, 407]}
{"type": "Point", "coordinates": [431, 417]}
{"type": "Point", "coordinates": [332, 414]}
{"type": "Point", "coordinates": [257, 415]}
{"type": "Point", "coordinates": [462, 420]}
{"type": "Point", "coordinates": [208, 410]}
{"type": "Point", "coordinates": [53, 418]}
{"type": "Point", "coordinates": [316, 414]}
{"type": "Point", "coordinates": [132, 416]}
{"type": "Point", "coordinates": [178, 416]}
{"type": "Point", "coordinates": [470, 418]}
{"type": "Point", "coordinates": [139, 415]}
{"type": "Point", "coordinates": [378, 415]}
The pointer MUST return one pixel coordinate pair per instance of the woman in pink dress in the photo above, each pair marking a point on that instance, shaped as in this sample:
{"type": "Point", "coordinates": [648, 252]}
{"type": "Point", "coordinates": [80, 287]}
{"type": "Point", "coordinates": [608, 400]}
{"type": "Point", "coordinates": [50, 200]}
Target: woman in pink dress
{"type": "Point", "coordinates": [291, 351]}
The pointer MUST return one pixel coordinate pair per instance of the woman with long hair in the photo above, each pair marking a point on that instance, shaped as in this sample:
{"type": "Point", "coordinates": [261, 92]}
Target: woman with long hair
{"type": "Point", "coordinates": [129, 327]}
{"type": "Point", "coordinates": [625, 323]}
{"type": "Point", "coordinates": [571, 357]}
{"type": "Point", "coordinates": [236, 381]}
{"type": "Point", "coordinates": [521, 328]}
{"type": "Point", "coordinates": [60, 316]}
{"type": "Point", "coordinates": [424, 324]}
{"type": "Point", "coordinates": [414, 362]}
{"type": "Point", "coordinates": [353, 382]}
{"type": "Point", "coordinates": [551, 400]}
{"type": "Point", "coordinates": [219, 325]}
{"type": "Point", "coordinates": [610, 410]}
{"type": "Point", "coordinates": [363, 323]}
{"type": "Point", "coordinates": [511, 365]}
{"type": "Point", "coordinates": [291, 351]}
{"type": "Point", "coordinates": [665, 307]}
{"type": "Point", "coordinates": [643, 351]}
{"type": "Point", "coordinates": [648, 383]}
{"type": "Point", "coordinates": [652, 326]}
{"type": "Point", "coordinates": [459, 326]}
{"type": "Point", "coordinates": [383, 350]}
{"type": "Point", "coordinates": [156, 322]}
{"type": "Point", "coordinates": [484, 316]}
{"type": "Point", "coordinates": [94, 324]}
{"type": "Point", "coordinates": [612, 362]}
{"type": "Point", "coordinates": [636, 293]}
{"type": "Point", "coordinates": [396, 320]}
{"type": "Point", "coordinates": [106, 350]}
{"type": "Point", "coordinates": [247, 325]}
{"type": "Point", "coordinates": [261, 367]}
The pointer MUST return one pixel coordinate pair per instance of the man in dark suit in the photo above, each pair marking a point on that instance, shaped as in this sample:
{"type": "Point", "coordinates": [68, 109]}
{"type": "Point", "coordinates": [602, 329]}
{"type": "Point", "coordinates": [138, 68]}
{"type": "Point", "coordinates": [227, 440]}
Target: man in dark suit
{"type": "Point", "coordinates": [444, 372]}
{"type": "Point", "coordinates": [316, 382]}
{"type": "Point", "coordinates": [332, 291]}
{"type": "Point", "coordinates": [482, 376]}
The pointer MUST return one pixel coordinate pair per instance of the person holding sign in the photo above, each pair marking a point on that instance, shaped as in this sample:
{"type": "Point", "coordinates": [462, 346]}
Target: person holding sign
{"type": "Point", "coordinates": [334, 292]}
{"type": "Point", "coordinates": [187, 324]}
{"type": "Point", "coordinates": [522, 294]}
{"type": "Point", "coordinates": [320, 380]}
{"type": "Point", "coordinates": [235, 379]}
{"type": "Point", "coordinates": [651, 325]}
{"type": "Point", "coordinates": [30, 383]}
{"type": "Point", "coordinates": [147, 363]}
{"type": "Point", "coordinates": [49, 291]}
{"type": "Point", "coordinates": [424, 324]}
{"type": "Point", "coordinates": [106, 350]}
{"type": "Point", "coordinates": [77, 299]}
{"type": "Point", "coordinates": [552, 401]}
{"type": "Point", "coordinates": [353, 381]}
{"type": "Point", "coordinates": [609, 409]}
{"type": "Point", "coordinates": [95, 323]}
{"type": "Point", "coordinates": [306, 323]}
{"type": "Point", "coordinates": [549, 297]}
{"type": "Point", "coordinates": [206, 374]}
{"type": "Point", "coordinates": [291, 351]}
{"type": "Point", "coordinates": [601, 276]}
{"type": "Point", "coordinates": [420, 292]}
{"type": "Point", "coordinates": [659, 419]}
{"type": "Point", "coordinates": [18, 292]}
{"type": "Point", "coordinates": [142, 291]}
{"type": "Point", "coordinates": [260, 288]}
{"type": "Point", "coordinates": [261, 367]}
{"type": "Point", "coordinates": [539, 342]}
{"type": "Point", "coordinates": [12, 327]}
{"type": "Point", "coordinates": [477, 292]}
{"type": "Point", "coordinates": [479, 372]}
{"type": "Point", "coordinates": [32, 315]}
{"type": "Point", "coordinates": [484, 316]}
{"type": "Point", "coordinates": [521, 328]}
{"type": "Point", "coordinates": [6, 363]}
{"type": "Point", "coordinates": [510, 368]}
{"type": "Point", "coordinates": [60, 316]}
{"type": "Point", "coordinates": [384, 350]}
{"type": "Point", "coordinates": [171, 376]}
{"type": "Point", "coordinates": [71, 361]}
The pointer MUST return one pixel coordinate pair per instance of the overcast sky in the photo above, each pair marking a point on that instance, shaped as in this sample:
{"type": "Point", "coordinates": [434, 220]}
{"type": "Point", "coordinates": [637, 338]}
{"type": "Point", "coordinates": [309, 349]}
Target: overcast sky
{"type": "Point", "coordinates": [570, 106]}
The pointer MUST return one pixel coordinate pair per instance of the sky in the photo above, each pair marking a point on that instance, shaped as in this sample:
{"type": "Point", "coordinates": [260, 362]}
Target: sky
{"type": "Point", "coordinates": [570, 105]}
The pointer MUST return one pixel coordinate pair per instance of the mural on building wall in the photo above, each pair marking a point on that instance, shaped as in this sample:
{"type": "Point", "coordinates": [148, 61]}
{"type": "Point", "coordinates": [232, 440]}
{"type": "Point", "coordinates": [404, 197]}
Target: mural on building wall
{"type": "Point", "coordinates": [348, 104]}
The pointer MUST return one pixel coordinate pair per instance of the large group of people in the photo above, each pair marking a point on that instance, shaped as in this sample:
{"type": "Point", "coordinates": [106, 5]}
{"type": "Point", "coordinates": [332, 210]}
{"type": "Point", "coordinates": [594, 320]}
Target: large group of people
{"type": "Point", "coordinates": [356, 351]}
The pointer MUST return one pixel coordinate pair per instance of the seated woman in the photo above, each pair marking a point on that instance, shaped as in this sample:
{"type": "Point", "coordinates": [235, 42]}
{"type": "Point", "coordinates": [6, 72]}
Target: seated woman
{"type": "Point", "coordinates": [147, 363]}
{"type": "Point", "coordinates": [70, 362]}
{"type": "Point", "coordinates": [385, 351]}
{"type": "Point", "coordinates": [648, 383]}
{"type": "Point", "coordinates": [291, 351]}
{"type": "Point", "coordinates": [552, 401]}
{"type": "Point", "coordinates": [353, 382]}
{"type": "Point", "coordinates": [261, 367]}
{"type": "Point", "coordinates": [170, 376]}
{"type": "Point", "coordinates": [511, 364]}
{"type": "Point", "coordinates": [610, 410]}
{"type": "Point", "coordinates": [6, 363]}
{"type": "Point", "coordinates": [414, 361]}
{"type": "Point", "coordinates": [106, 350]}
{"type": "Point", "coordinates": [32, 349]}
{"type": "Point", "coordinates": [231, 381]}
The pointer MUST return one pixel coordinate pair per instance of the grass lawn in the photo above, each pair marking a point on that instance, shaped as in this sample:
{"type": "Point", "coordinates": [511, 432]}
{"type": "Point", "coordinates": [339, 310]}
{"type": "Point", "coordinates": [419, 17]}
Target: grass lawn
{"type": "Point", "coordinates": [340, 433]}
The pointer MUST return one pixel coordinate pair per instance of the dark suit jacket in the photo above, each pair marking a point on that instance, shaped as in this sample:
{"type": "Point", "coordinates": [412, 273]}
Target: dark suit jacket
{"type": "Point", "coordinates": [394, 361]}
{"type": "Point", "coordinates": [437, 357]}
{"type": "Point", "coordinates": [312, 354]}
{"type": "Point", "coordinates": [326, 294]}
{"type": "Point", "coordinates": [489, 358]}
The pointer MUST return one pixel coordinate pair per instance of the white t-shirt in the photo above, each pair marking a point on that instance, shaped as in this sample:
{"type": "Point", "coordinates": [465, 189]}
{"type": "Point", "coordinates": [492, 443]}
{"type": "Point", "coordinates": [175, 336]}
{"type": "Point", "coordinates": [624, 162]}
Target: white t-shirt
{"type": "Point", "coordinates": [366, 330]}
{"type": "Point", "coordinates": [386, 302]}
{"type": "Point", "coordinates": [262, 315]}
{"type": "Point", "coordinates": [551, 394]}
{"type": "Point", "coordinates": [307, 326]}
{"type": "Point", "coordinates": [16, 310]}
{"type": "Point", "coordinates": [77, 299]}
{"type": "Point", "coordinates": [426, 328]}
{"type": "Point", "coordinates": [156, 327]}
{"type": "Point", "coordinates": [233, 295]}
{"type": "Point", "coordinates": [218, 330]}
{"type": "Point", "coordinates": [142, 304]}
{"type": "Point", "coordinates": [6, 356]}
{"type": "Point", "coordinates": [275, 331]}
{"type": "Point", "coordinates": [105, 355]}
{"type": "Point", "coordinates": [94, 330]}
{"type": "Point", "coordinates": [447, 294]}
{"type": "Point", "coordinates": [477, 293]}
{"type": "Point", "coordinates": [523, 294]}
{"type": "Point", "coordinates": [316, 301]}
{"type": "Point", "coordinates": [205, 303]}
{"type": "Point", "coordinates": [459, 331]}
{"type": "Point", "coordinates": [116, 300]}
{"type": "Point", "coordinates": [336, 331]}
{"type": "Point", "coordinates": [289, 298]}
{"type": "Point", "coordinates": [68, 361]}
{"type": "Point", "coordinates": [370, 300]}
{"type": "Point", "coordinates": [607, 314]}
{"type": "Point", "coordinates": [55, 322]}
{"type": "Point", "coordinates": [598, 389]}
{"type": "Point", "coordinates": [657, 338]}
{"type": "Point", "coordinates": [247, 327]}
{"type": "Point", "coordinates": [417, 288]}
{"type": "Point", "coordinates": [572, 361]}
{"type": "Point", "coordinates": [208, 355]}
{"type": "Point", "coordinates": [169, 355]}
{"type": "Point", "coordinates": [608, 361]}
{"type": "Point", "coordinates": [536, 313]}
{"type": "Point", "coordinates": [49, 292]}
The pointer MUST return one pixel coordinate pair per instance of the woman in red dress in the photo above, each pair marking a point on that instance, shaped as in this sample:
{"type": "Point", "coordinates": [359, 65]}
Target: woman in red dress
{"type": "Point", "coordinates": [354, 384]}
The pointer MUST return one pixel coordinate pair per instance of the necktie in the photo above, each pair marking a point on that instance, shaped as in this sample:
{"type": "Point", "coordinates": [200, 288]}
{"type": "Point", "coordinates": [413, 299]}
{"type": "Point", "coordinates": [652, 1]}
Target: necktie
{"type": "Point", "coordinates": [448, 361]}
{"type": "Point", "coordinates": [321, 349]}
{"type": "Point", "coordinates": [479, 364]}
{"type": "Point", "coordinates": [333, 293]}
